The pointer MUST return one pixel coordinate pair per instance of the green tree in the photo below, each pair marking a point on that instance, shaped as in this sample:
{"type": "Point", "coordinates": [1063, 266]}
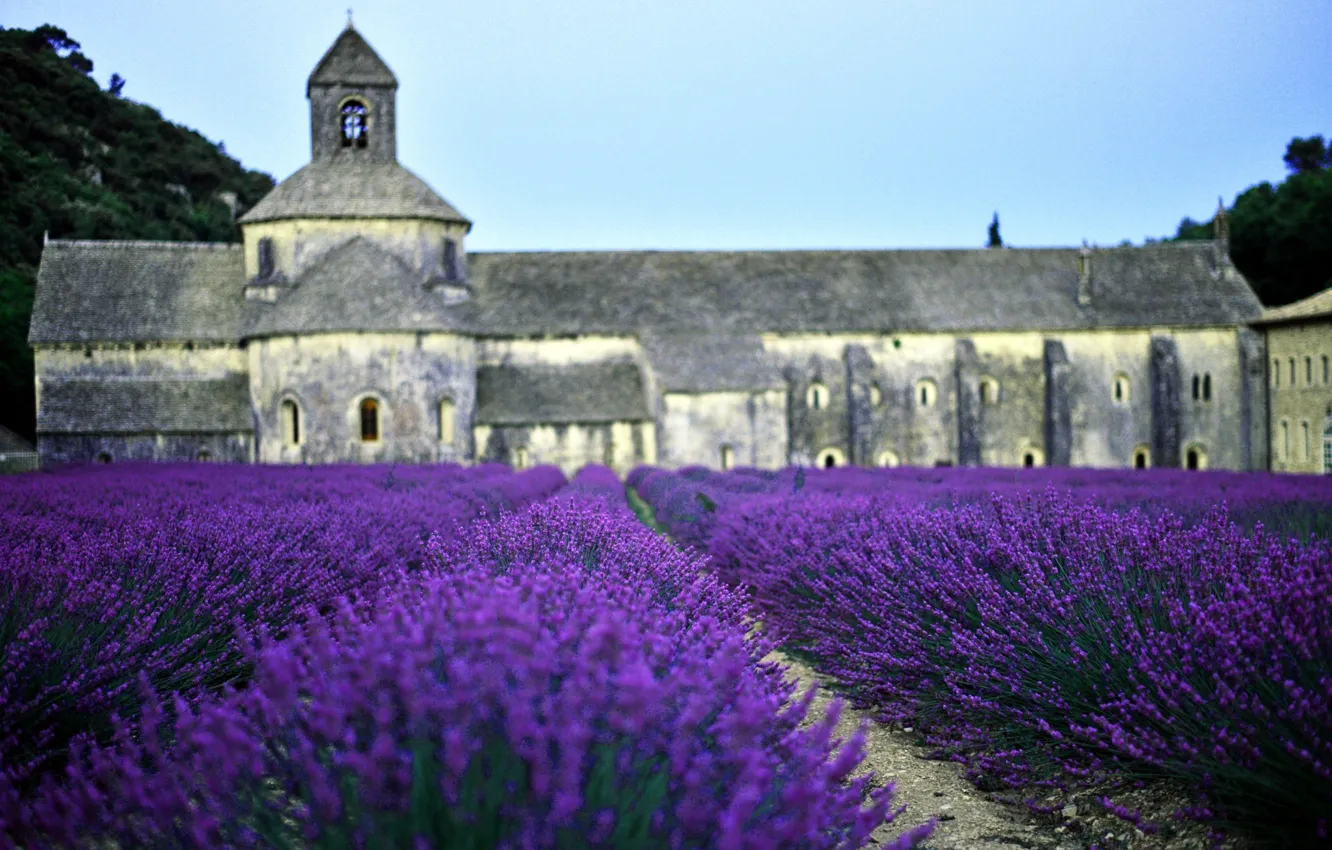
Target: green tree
{"type": "Point", "coordinates": [995, 240]}
{"type": "Point", "coordinates": [1281, 236]}
{"type": "Point", "coordinates": [78, 162]}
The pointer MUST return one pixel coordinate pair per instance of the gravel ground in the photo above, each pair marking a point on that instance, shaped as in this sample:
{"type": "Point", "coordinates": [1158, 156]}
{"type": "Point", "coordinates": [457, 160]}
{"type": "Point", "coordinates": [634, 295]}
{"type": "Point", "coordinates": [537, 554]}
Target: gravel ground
{"type": "Point", "coordinates": [968, 817]}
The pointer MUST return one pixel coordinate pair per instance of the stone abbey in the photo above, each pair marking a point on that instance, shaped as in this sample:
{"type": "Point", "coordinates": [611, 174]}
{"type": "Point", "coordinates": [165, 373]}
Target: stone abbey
{"type": "Point", "coordinates": [352, 325]}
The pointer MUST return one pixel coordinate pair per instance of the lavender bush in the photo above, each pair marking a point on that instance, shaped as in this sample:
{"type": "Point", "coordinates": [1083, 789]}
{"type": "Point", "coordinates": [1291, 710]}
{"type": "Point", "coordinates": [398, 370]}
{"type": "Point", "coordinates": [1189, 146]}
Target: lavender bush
{"type": "Point", "coordinates": [533, 686]}
{"type": "Point", "coordinates": [1049, 641]}
{"type": "Point", "coordinates": [109, 575]}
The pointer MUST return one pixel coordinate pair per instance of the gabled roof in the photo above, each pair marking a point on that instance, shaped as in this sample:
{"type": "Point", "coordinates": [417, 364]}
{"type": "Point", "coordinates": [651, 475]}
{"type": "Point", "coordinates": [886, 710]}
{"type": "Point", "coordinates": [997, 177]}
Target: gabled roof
{"type": "Point", "coordinates": [710, 362]}
{"type": "Point", "coordinates": [1317, 306]}
{"type": "Point", "coordinates": [351, 61]}
{"type": "Point", "coordinates": [343, 189]}
{"type": "Point", "coordinates": [138, 291]}
{"type": "Point", "coordinates": [707, 292]}
{"type": "Point", "coordinates": [142, 406]}
{"type": "Point", "coordinates": [555, 395]}
{"type": "Point", "coordinates": [356, 286]}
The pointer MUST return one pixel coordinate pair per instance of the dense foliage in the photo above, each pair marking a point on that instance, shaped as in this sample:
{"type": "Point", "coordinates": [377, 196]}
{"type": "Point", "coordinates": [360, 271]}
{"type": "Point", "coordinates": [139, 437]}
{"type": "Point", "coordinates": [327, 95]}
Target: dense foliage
{"type": "Point", "coordinates": [1281, 236]}
{"type": "Point", "coordinates": [1049, 641]}
{"type": "Point", "coordinates": [283, 658]}
{"type": "Point", "coordinates": [83, 163]}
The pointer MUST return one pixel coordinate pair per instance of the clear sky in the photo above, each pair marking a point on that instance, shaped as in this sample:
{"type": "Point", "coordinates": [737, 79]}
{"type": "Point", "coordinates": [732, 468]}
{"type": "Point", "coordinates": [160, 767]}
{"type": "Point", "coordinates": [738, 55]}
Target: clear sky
{"type": "Point", "coordinates": [728, 124]}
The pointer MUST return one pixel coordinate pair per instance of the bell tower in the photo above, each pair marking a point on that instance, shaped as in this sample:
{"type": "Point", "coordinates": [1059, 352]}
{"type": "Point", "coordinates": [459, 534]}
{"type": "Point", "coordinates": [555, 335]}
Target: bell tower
{"type": "Point", "coordinates": [352, 94]}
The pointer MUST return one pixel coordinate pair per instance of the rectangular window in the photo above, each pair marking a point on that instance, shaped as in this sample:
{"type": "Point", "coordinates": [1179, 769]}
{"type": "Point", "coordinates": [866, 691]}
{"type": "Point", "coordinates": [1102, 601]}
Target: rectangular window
{"type": "Point", "coordinates": [1308, 371]}
{"type": "Point", "coordinates": [450, 259]}
{"type": "Point", "coordinates": [1324, 370]}
{"type": "Point", "coordinates": [265, 258]}
{"type": "Point", "coordinates": [1292, 371]}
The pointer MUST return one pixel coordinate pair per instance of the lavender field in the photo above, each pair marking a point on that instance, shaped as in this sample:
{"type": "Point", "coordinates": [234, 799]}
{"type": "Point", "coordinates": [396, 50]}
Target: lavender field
{"type": "Point", "coordinates": [214, 656]}
{"type": "Point", "coordinates": [209, 656]}
{"type": "Point", "coordinates": [1053, 630]}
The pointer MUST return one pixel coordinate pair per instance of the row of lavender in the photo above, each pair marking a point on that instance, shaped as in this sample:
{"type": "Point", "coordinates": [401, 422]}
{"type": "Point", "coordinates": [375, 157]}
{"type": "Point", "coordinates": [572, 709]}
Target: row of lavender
{"type": "Point", "coordinates": [295, 658]}
{"type": "Point", "coordinates": [1049, 641]}
{"type": "Point", "coordinates": [687, 501]}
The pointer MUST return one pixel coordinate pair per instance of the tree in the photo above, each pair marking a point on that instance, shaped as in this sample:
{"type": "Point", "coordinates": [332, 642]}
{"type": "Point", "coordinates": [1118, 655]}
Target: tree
{"type": "Point", "coordinates": [1307, 155]}
{"type": "Point", "coordinates": [116, 85]}
{"type": "Point", "coordinates": [1281, 236]}
{"type": "Point", "coordinates": [996, 241]}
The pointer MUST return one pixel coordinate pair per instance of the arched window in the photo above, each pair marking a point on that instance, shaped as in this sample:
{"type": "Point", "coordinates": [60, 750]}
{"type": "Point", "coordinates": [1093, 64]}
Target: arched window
{"type": "Point", "coordinates": [369, 420]}
{"type": "Point", "coordinates": [926, 393]}
{"type": "Point", "coordinates": [727, 457]}
{"type": "Point", "coordinates": [1305, 441]}
{"type": "Point", "coordinates": [355, 129]}
{"type": "Point", "coordinates": [1292, 372]}
{"type": "Point", "coordinates": [989, 390]}
{"type": "Point", "coordinates": [291, 423]}
{"type": "Point", "coordinates": [1285, 441]}
{"type": "Point", "coordinates": [1195, 457]}
{"type": "Point", "coordinates": [1207, 386]}
{"type": "Point", "coordinates": [1276, 372]}
{"type": "Point", "coordinates": [1308, 371]}
{"type": "Point", "coordinates": [1142, 458]}
{"type": "Point", "coordinates": [830, 457]}
{"type": "Point", "coordinates": [204, 456]}
{"type": "Point", "coordinates": [888, 459]}
{"type": "Point", "coordinates": [446, 420]}
{"type": "Point", "coordinates": [267, 264]}
{"type": "Point", "coordinates": [1121, 390]}
{"type": "Point", "coordinates": [451, 270]}
{"type": "Point", "coordinates": [876, 395]}
{"type": "Point", "coordinates": [1032, 456]}
{"type": "Point", "coordinates": [1325, 375]}
{"type": "Point", "coordinates": [520, 458]}
{"type": "Point", "coordinates": [1028, 460]}
{"type": "Point", "coordinates": [103, 457]}
{"type": "Point", "coordinates": [816, 396]}
{"type": "Point", "coordinates": [1197, 387]}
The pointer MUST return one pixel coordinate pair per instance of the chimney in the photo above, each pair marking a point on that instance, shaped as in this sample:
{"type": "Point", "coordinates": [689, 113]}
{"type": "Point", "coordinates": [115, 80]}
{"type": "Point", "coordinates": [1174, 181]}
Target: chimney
{"type": "Point", "coordinates": [1221, 234]}
{"type": "Point", "coordinates": [1084, 274]}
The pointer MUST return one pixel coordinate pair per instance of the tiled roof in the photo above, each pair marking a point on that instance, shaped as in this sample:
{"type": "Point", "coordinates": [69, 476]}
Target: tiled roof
{"type": "Point", "coordinates": [343, 188]}
{"type": "Point", "coordinates": [576, 393]}
{"type": "Point", "coordinates": [351, 61]}
{"type": "Point", "coordinates": [710, 362]}
{"type": "Point", "coordinates": [141, 406]}
{"type": "Point", "coordinates": [1317, 306]}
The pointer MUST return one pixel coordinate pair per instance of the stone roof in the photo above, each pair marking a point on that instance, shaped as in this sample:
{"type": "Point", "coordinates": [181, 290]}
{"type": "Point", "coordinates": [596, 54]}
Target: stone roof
{"type": "Point", "coordinates": [138, 291]}
{"type": "Point", "coordinates": [142, 406]}
{"type": "Point", "coordinates": [710, 363]}
{"type": "Point", "coordinates": [1318, 306]}
{"type": "Point", "coordinates": [553, 395]}
{"type": "Point", "coordinates": [351, 61]}
{"type": "Point", "coordinates": [11, 443]}
{"type": "Point", "coordinates": [344, 188]}
{"type": "Point", "coordinates": [706, 292]}
{"type": "Point", "coordinates": [356, 286]}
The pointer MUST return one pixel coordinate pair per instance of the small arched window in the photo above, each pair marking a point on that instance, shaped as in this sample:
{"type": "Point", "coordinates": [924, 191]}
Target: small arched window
{"type": "Point", "coordinates": [1207, 386]}
{"type": "Point", "coordinates": [204, 456]}
{"type": "Point", "coordinates": [1028, 460]}
{"type": "Point", "coordinates": [1325, 374]}
{"type": "Point", "coordinates": [830, 457]}
{"type": "Point", "coordinates": [291, 423]}
{"type": "Point", "coordinates": [267, 263]}
{"type": "Point", "coordinates": [727, 457]}
{"type": "Point", "coordinates": [816, 396]}
{"type": "Point", "coordinates": [1285, 440]}
{"type": "Point", "coordinates": [355, 128]}
{"type": "Point", "coordinates": [1195, 457]}
{"type": "Point", "coordinates": [926, 393]}
{"type": "Point", "coordinates": [1308, 371]}
{"type": "Point", "coordinates": [1142, 458]}
{"type": "Point", "coordinates": [1122, 390]}
{"type": "Point", "coordinates": [1032, 456]}
{"type": "Point", "coordinates": [447, 411]}
{"type": "Point", "coordinates": [875, 395]}
{"type": "Point", "coordinates": [1276, 372]}
{"type": "Point", "coordinates": [451, 270]}
{"type": "Point", "coordinates": [369, 420]}
{"type": "Point", "coordinates": [1197, 387]}
{"type": "Point", "coordinates": [989, 390]}
{"type": "Point", "coordinates": [888, 459]}
{"type": "Point", "coordinates": [520, 458]}
{"type": "Point", "coordinates": [1292, 372]}
{"type": "Point", "coordinates": [103, 457]}
{"type": "Point", "coordinates": [1306, 440]}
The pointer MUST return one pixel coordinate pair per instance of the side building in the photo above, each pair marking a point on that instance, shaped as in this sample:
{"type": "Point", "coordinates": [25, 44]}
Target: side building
{"type": "Point", "coordinates": [1299, 343]}
{"type": "Point", "coordinates": [352, 325]}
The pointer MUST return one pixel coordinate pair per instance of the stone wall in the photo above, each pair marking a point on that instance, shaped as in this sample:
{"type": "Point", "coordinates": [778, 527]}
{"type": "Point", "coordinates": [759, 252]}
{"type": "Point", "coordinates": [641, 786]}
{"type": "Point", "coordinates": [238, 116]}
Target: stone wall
{"type": "Point", "coordinates": [1304, 403]}
{"type": "Point", "coordinates": [695, 427]}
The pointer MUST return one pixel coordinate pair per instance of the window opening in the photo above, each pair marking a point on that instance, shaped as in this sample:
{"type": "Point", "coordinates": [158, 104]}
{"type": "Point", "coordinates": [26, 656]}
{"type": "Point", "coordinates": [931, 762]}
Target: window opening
{"type": "Point", "coordinates": [520, 459]}
{"type": "Point", "coordinates": [265, 258]}
{"type": "Point", "coordinates": [829, 461]}
{"type": "Point", "coordinates": [1197, 387]}
{"type": "Point", "coordinates": [369, 420]}
{"type": "Point", "coordinates": [888, 459]}
{"type": "Point", "coordinates": [1207, 387]}
{"type": "Point", "coordinates": [1285, 440]}
{"type": "Point", "coordinates": [1308, 448]}
{"type": "Point", "coordinates": [1141, 458]}
{"type": "Point", "coordinates": [1193, 459]}
{"type": "Point", "coordinates": [1276, 373]}
{"type": "Point", "coordinates": [1029, 460]}
{"type": "Point", "coordinates": [1308, 371]}
{"type": "Point", "coordinates": [451, 259]}
{"type": "Point", "coordinates": [817, 397]}
{"type": "Point", "coordinates": [1292, 371]}
{"type": "Point", "coordinates": [727, 457]}
{"type": "Point", "coordinates": [1324, 370]}
{"type": "Point", "coordinates": [875, 395]}
{"type": "Point", "coordinates": [205, 456]}
{"type": "Point", "coordinates": [354, 128]}
{"type": "Point", "coordinates": [446, 414]}
{"type": "Point", "coordinates": [291, 423]}
{"type": "Point", "coordinates": [1122, 388]}
{"type": "Point", "coordinates": [104, 457]}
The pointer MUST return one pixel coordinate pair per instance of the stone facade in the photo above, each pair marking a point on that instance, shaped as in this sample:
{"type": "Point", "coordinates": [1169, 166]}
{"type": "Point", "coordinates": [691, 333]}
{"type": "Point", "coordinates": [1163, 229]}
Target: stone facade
{"type": "Point", "coordinates": [351, 325]}
{"type": "Point", "coordinates": [1299, 383]}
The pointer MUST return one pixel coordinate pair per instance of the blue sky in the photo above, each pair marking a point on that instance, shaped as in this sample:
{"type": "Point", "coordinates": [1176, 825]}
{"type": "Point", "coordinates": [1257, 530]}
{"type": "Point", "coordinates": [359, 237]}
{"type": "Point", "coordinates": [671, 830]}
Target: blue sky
{"type": "Point", "coordinates": [600, 124]}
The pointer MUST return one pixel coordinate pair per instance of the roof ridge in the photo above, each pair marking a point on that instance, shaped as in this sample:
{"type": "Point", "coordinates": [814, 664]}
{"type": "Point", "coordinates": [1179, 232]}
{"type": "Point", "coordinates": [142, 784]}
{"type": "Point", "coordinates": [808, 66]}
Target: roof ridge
{"type": "Point", "coordinates": [1190, 244]}
{"type": "Point", "coordinates": [144, 243]}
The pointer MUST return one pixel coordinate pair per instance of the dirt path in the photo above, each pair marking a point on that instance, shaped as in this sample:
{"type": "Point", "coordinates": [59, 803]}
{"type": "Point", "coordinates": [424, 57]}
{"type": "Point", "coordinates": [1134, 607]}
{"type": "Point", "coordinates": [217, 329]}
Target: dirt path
{"type": "Point", "coordinates": [968, 817]}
